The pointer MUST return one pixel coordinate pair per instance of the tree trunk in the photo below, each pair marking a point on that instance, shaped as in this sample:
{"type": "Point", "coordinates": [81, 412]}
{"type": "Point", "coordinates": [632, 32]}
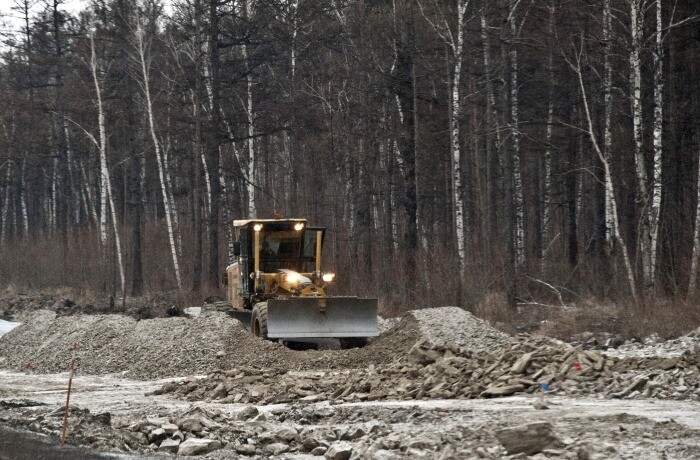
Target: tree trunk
{"type": "Point", "coordinates": [156, 146]}
{"type": "Point", "coordinates": [215, 139]}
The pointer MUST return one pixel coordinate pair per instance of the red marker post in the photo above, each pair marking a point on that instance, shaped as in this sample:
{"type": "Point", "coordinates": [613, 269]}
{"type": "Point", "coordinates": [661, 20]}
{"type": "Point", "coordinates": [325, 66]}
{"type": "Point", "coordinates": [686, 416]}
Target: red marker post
{"type": "Point", "coordinates": [70, 383]}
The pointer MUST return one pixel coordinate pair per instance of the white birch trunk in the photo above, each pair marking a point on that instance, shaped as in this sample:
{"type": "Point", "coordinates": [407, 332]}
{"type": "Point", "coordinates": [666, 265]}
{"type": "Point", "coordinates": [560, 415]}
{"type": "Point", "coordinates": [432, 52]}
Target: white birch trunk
{"type": "Point", "coordinates": [207, 181]}
{"type": "Point", "coordinates": [608, 185]}
{"type": "Point", "coordinates": [171, 198]}
{"type": "Point", "coordinates": [636, 29]}
{"type": "Point", "coordinates": [88, 194]}
{"type": "Point", "coordinates": [156, 146]}
{"type": "Point", "coordinates": [458, 201]}
{"type": "Point", "coordinates": [6, 200]}
{"type": "Point", "coordinates": [696, 236]}
{"type": "Point", "coordinates": [54, 197]}
{"type": "Point", "coordinates": [515, 134]}
{"type": "Point", "coordinates": [23, 203]}
{"type": "Point", "coordinates": [106, 182]}
{"type": "Point", "coordinates": [252, 211]}
{"type": "Point", "coordinates": [655, 208]}
{"type": "Point", "coordinates": [547, 192]}
{"type": "Point", "coordinates": [607, 136]}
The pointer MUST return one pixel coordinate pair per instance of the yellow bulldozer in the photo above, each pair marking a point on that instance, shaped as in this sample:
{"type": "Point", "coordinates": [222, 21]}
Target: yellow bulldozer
{"type": "Point", "coordinates": [278, 288]}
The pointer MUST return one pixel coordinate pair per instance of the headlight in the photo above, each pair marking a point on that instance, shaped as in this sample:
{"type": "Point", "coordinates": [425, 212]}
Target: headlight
{"type": "Point", "coordinates": [328, 277]}
{"type": "Point", "coordinates": [298, 226]}
{"type": "Point", "coordinates": [257, 227]}
{"type": "Point", "coordinates": [293, 278]}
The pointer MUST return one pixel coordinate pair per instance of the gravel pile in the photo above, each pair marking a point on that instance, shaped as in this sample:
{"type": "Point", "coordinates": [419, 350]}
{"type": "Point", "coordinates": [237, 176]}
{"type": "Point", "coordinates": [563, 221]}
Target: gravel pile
{"type": "Point", "coordinates": [431, 371]}
{"type": "Point", "coordinates": [452, 324]}
{"type": "Point", "coordinates": [114, 343]}
{"type": "Point", "coordinates": [652, 347]}
{"type": "Point", "coordinates": [177, 346]}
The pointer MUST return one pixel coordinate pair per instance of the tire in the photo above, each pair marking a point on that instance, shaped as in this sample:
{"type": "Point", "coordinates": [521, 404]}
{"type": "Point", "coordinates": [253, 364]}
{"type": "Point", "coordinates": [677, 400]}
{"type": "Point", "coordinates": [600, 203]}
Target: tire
{"type": "Point", "coordinates": [353, 342]}
{"type": "Point", "coordinates": [258, 321]}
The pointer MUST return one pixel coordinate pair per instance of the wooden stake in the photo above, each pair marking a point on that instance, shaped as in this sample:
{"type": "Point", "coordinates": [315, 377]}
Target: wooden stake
{"type": "Point", "coordinates": [70, 384]}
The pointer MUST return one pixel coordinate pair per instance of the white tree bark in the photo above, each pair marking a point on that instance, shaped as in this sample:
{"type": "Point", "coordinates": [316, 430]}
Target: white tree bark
{"type": "Point", "coordinates": [455, 41]}
{"type": "Point", "coordinates": [252, 211]}
{"type": "Point", "coordinates": [655, 207]}
{"type": "Point", "coordinates": [456, 101]}
{"type": "Point", "coordinates": [515, 134]}
{"type": "Point", "coordinates": [636, 30]}
{"type": "Point", "coordinates": [106, 182]}
{"type": "Point", "coordinates": [692, 283]}
{"type": "Point", "coordinates": [609, 183]}
{"type": "Point", "coordinates": [607, 136]}
{"type": "Point", "coordinates": [23, 203]}
{"type": "Point", "coordinates": [6, 200]}
{"type": "Point", "coordinates": [145, 86]}
{"type": "Point", "coordinates": [547, 186]}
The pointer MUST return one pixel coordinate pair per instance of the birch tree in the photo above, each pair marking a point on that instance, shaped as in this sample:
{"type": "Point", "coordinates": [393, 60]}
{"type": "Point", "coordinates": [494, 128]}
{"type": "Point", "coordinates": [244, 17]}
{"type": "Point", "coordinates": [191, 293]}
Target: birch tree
{"type": "Point", "coordinates": [590, 131]}
{"type": "Point", "coordinates": [455, 41]}
{"type": "Point", "coordinates": [547, 186]}
{"type": "Point", "coordinates": [145, 87]}
{"type": "Point", "coordinates": [655, 205]}
{"type": "Point", "coordinates": [105, 181]}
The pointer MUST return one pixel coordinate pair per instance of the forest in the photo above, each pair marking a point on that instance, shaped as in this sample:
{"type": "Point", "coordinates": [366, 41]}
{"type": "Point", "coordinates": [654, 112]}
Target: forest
{"type": "Point", "coordinates": [541, 151]}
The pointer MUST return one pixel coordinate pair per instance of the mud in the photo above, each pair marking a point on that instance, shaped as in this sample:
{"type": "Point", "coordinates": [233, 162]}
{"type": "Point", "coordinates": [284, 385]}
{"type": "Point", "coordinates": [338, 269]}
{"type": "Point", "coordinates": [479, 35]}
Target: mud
{"type": "Point", "coordinates": [584, 427]}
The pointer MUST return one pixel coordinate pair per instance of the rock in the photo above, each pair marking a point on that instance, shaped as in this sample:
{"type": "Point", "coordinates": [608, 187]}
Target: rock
{"type": "Point", "coordinates": [156, 435]}
{"type": "Point", "coordinates": [528, 439]}
{"type": "Point", "coordinates": [502, 390]}
{"type": "Point", "coordinates": [193, 425]}
{"type": "Point", "coordinates": [287, 435]}
{"type": "Point", "coordinates": [276, 448]}
{"type": "Point", "coordinates": [245, 449]}
{"type": "Point", "coordinates": [247, 413]}
{"type": "Point", "coordinates": [170, 428]}
{"type": "Point", "coordinates": [339, 451]}
{"type": "Point", "coordinates": [310, 443]}
{"type": "Point", "coordinates": [320, 450]}
{"type": "Point", "coordinates": [522, 364]}
{"type": "Point", "coordinates": [353, 433]}
{"type": "Point", "coordinates": [169, 445]}
{"type": "Point", "coordinates": [194, 446]}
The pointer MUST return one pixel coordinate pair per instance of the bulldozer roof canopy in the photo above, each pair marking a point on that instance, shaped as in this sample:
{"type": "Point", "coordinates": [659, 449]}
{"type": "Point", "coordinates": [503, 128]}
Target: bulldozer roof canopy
{"type": "Point", "coordinates": [241, 223]}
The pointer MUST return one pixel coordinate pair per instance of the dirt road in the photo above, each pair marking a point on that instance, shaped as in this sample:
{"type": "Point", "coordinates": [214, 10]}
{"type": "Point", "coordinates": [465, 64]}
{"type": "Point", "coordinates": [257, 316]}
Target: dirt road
{"type": "Point", "coordinates": [603, 428]}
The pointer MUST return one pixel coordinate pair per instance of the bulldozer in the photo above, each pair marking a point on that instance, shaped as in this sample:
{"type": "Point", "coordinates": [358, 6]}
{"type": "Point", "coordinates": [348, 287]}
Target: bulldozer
{"type": "Point", "coordinates": [277, 287]}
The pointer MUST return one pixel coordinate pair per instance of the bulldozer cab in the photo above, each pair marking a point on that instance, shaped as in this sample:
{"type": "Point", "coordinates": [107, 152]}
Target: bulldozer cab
{"type": "Point", "coordinates": [268, 246]}
{"type": "Point", "coordinates": [277, 286]}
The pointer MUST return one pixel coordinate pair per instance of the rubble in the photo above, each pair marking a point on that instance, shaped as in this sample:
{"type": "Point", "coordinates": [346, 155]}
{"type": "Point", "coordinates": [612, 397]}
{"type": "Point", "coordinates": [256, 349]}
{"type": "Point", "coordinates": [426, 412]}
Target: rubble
{"type": "Point", "coordinates": [445, 325]}
{"type": "Point", "coordinates": [527, 439]}
{"type": "Point", "coordinates": [533, 364]}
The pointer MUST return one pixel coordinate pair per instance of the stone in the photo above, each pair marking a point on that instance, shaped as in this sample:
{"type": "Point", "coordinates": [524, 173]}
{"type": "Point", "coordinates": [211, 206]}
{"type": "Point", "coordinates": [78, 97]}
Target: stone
{"type": "Point", "coordinates": [503, 390]}
{"type": "Point", "coordinates": [247, 413]}
{"type": "Point", "coordinates": [353, 433]}
{"type": "Point", "coordinates": [276, 448]}
{"type": "Point", "coordinates": [310, 443]}
{"type": "Point", "coordinates": [194, 446]}
{"type": "Point", "coordinates": [287, 435]}
{"type": "Point", "coordinates": [170, 428]}
{"type": "Point", "coordinates": [169, 445]}
{"type": "Point", "coordinates": [528, 439]}
{"type": "Point", "coordinates": [245, 449]}
{"type": "Point", "coordinates": [522, 364]}
{"type": "Point", "coordinates": [320, 450]}
{"type": "Point", "coordinates": [340, 450]}
{"type": "Point", "coordinates": [193, 425]}
{"type": "Point", "coordinates": [156, 435]}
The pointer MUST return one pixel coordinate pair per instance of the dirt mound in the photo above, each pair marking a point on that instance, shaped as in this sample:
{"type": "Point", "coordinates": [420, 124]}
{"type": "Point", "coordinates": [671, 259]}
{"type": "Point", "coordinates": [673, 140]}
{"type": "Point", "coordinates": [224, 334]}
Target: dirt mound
{"type": "Point", "coordinates": [115, 343]}
{"type": "Point", "coordinates": [452, 324]}
{"type": "Point", "coordinates": [166, 347]}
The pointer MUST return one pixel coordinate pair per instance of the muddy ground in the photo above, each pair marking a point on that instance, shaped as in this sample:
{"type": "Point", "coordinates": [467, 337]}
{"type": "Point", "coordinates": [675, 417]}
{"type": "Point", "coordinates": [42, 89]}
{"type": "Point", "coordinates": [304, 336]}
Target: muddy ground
{"type": "Point", "coordinates": [436, 384]}
{"type": "Point", "coordinates": [586, 427]}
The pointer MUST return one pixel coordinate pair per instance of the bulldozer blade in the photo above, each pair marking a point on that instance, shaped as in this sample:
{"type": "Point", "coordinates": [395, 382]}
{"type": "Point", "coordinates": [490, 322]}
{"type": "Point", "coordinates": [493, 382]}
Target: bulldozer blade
{"type": "Point", "coordinates": [320, 317]}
